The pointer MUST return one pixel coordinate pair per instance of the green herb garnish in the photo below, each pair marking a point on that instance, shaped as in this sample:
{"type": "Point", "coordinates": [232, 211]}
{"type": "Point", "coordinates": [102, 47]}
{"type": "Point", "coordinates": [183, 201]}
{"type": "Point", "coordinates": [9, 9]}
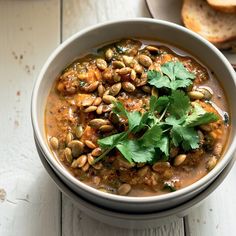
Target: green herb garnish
{"type": "Point", "coordinates": [169, 119]}
{"type": "Point", "coordinates": [173, 75]}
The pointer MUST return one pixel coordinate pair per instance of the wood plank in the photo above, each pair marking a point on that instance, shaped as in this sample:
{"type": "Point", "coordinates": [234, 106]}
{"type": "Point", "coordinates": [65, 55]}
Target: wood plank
{"type": "Point", "coordinates": [79, 14]}
{"type": "Point", "coordinates": [30, 30]}
{"type": "Point", "coordinates": [76, 16]}
{"type": "Point", "coordinates": [216, 216]}
{"type": "Point", "coordinates": [75, 222]}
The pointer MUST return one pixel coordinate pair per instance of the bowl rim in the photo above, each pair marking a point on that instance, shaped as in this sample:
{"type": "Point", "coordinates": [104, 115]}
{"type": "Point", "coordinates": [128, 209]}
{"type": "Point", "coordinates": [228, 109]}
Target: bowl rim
{"type": "Point", "coordinates": [228, 155]}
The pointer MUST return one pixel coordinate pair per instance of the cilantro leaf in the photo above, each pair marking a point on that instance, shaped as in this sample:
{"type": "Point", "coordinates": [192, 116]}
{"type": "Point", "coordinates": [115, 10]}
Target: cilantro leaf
{"type": "Point", "coordinates": [173, 75]}
{"type": "Point", "coordinates": [134, 152]}
{"type": "Point", "coordinates": [151, 136]}
{"type": "Point", "coordinates": [119, 109]}
{"type": "Point", "coordinates": [156, 79]}
{"type": "Point", "coordinates": [179, 104]}
{"type": "Point", "coordinates": [111, 141]}
{"type": "Point", "coordinates": [169, 69]}
{"type": "Point", "coordinates": [181, 72]}
{"type": "Point", "coordinates": [152, 103]}
{"type": "Point", "coordinates": [199, 116]}
{"type": "Point", "coordinates": [174, 85]}
{"type": "Point", "coordinates": [163, 145]}
{"type": "Point", "coordinates": [187, 137]}
{"type": "Point", "coordinates": [162, 103]}
{"type": "Point", "coordinates": [134, 117]}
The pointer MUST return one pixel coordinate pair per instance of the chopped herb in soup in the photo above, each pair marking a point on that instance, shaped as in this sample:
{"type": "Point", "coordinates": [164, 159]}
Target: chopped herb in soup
{"type": "Point", "coordinates": [137, 119]}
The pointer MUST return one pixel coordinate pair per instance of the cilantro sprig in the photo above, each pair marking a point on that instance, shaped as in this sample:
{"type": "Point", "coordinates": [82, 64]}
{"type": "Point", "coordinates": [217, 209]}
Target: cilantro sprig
{"type": "Point", "coordinates": [173, 75]}
{"type": "Point", "coordinates": [170, 119]}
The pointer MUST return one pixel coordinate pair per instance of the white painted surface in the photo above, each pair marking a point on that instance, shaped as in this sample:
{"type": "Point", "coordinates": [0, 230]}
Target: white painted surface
{"type": "Point", "coordinates": [32, 205]}
{"type": "Point", "coordinates": [29, 32]}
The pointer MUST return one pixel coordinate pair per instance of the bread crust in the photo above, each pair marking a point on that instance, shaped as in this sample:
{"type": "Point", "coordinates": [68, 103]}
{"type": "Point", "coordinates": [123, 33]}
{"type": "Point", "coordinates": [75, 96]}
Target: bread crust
{"type": "Point", "coordinates": [192, 22]}
{"type": "Point", "coordinates": [222, 6]}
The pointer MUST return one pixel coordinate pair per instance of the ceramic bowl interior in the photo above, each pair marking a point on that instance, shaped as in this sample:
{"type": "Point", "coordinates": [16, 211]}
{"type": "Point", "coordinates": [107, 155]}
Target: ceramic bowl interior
{"type": "Point", "coordinates": [139, 28]}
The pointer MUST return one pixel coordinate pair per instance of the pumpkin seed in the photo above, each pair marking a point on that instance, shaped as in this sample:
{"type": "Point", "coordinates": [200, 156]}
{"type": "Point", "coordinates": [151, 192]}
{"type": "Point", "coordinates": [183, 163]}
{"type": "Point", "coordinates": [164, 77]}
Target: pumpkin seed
{"type": "Point", "coordinates": [77, 147]}
{"type": "Point", "coordinates": [101, 90]}
{"type": "Point", "coordinates": [211, 163]}
{"type": "Point", "coordinates": [128, 87]}
{"type": "Point", "coordinates": [96, 152]}
{"type": "Point", "coordinates": [101, 64]}
{"type": "Point", "coordinates": [129, 61]}
{"type": "Point", "coordinates": [144, 60]}
{"type": "Point", "coordinates": [114, 118]}
{"type": "Point", "coordinates": [115, 89]}
{"type": "Point", "coordinates": [174, 151]}
{"type": "Point", "coordinates": [146, 89]}
{"type": "Point", "coordinates": [99, 109]}
{"type": "Point", "coordinates": [106, 128]}
{"type": "Point", "coordinates": [124, 189]}
{"type": "Point", "coordinates": [97, 101]}
{"type": "Point", "coordinates": [168, 174]}
{"type": "Point", "coordinates": [79, 162]}
{"type": "Point", "coordinates": [78, 131]}
{"type": "Point", "coordinates": [179, 159]}
{"type": "Point", "coordinates": [90, 144]}
{"type": "Point", "coordinates": [85, 168]}
{"type": "Point", "coordinates": [138, 68]}
{"type": "Point", "coordinates": [87, 101]}
{"type": "Point", "coordinates": [108, 99]}
{"type": "Point", "coordinates": [91, 158]}
{"type": "Point", "coordinates": [195, 95]}
{"type": "Point", "coordinates": [69, 137]}
{"type": "Point", "coordinates": [161, 166]}
{"type": "Point", "coordinates": [109, 54]}
{"type": "Point", "coordinates": [90, 109]}
{"type": "Point", "coordinates": [54, 143]}
{"type": "Point", "coordinates": [107, 74]}
{"type": "Point", "coordinates": [92, 87]}
{"type": "Point", "coordinates": [118, 64]}
{"type": "Point", "coordinates": [154, 92]}
{"type": "Point", "coordinates": [123, 163]}
{"type": "Point", "coordinates": [206, 92]}
{"type": "Point", "coordinates": [68, 155]}
{"type": "Point", "coordinates": [143, 171]}
{"type": "Point", "coordinates": [133, 75]}
{"type": "Point", "coordinates": [107, 108]}
{"type": "Point", "coordinates": [152, 49]}
{"type": "Point", "coordinates": [124, 71]}
{"type": "Point", "coordinates": [116, 77]}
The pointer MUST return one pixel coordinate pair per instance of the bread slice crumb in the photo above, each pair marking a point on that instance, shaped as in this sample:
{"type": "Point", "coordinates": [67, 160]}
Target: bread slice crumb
{"type": "Point", "coordinates": [215, 26]}
{"type": "Point", "coordinates": [228, 6]}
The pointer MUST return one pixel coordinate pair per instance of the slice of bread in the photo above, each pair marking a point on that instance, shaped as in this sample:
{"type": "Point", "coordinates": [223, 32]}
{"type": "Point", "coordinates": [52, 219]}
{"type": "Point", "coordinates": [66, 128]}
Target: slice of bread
{"type": "Point", "coordinates": [215, 26]}
{"type": "Point", "coordinates": [229, 46]}
{"type": "Point", "coordinates": [223, 5]}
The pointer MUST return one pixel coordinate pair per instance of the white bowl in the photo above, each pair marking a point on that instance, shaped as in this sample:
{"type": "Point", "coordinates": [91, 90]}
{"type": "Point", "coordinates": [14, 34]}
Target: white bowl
{"type": "Point", "coordinates": [144, 29]}
{"type": "Point", "coordinates": [135, 221]}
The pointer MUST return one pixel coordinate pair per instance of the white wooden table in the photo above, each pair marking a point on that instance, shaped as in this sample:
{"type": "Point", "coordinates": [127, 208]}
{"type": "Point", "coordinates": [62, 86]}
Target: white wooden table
{"type": "Point", "coordinates": [30, 203]}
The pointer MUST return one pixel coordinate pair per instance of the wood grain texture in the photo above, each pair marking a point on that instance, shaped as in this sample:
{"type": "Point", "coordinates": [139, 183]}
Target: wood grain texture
{"type": "Point", "coordinates": [32, 202]}
{"type": "Point", "coordinates": [76, 16]}
{"type": "Point", "coordinates": [216, 216]}
{"type": "Point", "coordinates": [79, 14]}
{"type": "Point", "coordinates": [76, 223]}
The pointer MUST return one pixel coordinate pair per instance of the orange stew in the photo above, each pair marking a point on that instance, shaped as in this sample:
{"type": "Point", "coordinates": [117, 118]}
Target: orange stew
{"type": "Point", "coordinates": [137, 119]}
